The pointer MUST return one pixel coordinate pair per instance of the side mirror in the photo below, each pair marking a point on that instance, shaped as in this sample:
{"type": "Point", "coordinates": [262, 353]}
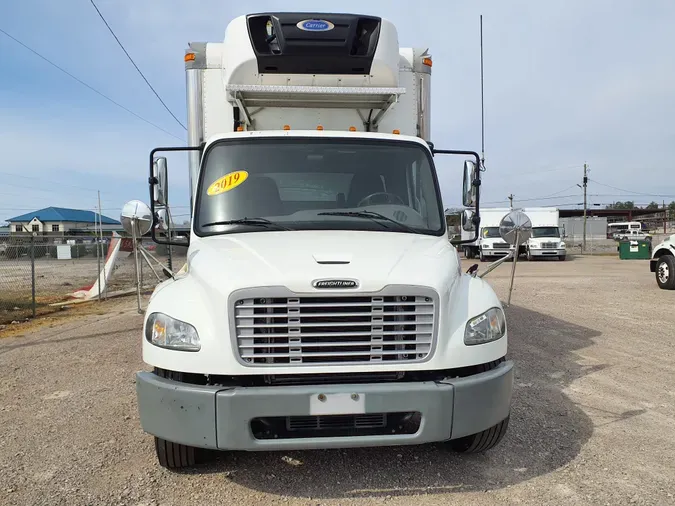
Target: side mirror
{"type": "Point", "coordinates": [515, 228]}
{"type": "Point", "coordinates": [467, 220]}
{"type": "Point", "coordinates": [468, 189]}
{"type": "Point", "coordinates": [161, 188]}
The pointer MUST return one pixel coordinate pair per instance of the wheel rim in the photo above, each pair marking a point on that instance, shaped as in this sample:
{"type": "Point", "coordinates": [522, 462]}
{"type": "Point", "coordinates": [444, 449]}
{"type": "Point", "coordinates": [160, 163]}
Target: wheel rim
{"type": "Point", "coordinates": [664, 272]}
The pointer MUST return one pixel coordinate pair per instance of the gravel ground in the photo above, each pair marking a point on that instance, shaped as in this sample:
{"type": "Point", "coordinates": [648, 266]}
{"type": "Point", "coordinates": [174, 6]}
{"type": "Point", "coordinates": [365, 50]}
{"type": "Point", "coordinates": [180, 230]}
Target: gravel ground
{"type": "Point", "coordinates": [593, 417]}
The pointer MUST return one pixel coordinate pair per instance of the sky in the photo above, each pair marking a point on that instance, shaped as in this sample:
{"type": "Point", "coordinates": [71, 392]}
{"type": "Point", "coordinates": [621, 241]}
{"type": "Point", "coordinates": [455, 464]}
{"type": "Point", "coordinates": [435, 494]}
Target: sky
{"type": "Point", "coordinates": [567, 82]}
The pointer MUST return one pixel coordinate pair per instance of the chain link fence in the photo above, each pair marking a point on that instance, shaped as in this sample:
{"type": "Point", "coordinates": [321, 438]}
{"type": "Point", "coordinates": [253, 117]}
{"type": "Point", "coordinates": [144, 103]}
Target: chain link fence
{"type": "Point", "coordinates": [37, 272]}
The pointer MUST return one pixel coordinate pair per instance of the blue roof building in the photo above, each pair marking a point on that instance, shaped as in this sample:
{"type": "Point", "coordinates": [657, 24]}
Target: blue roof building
{"type": "Point", "coordinates": [62, 214]}
{"type": "Point", "coordinates": [59, 220]}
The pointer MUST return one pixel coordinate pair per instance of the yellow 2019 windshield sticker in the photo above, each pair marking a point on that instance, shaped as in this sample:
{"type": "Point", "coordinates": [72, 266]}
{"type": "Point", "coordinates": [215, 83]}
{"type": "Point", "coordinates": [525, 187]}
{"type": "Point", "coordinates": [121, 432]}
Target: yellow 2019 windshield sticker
{"type": "Point", "coordinates": [227, 182]}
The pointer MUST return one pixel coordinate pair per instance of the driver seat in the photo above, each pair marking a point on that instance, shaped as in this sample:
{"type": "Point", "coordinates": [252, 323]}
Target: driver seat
{"type": "Point", "coordinates": [363, 184]}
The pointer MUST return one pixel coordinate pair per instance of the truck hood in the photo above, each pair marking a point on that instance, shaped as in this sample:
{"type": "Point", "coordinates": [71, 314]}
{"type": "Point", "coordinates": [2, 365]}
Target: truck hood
{"type": "Point", "coordinates": [295, 259]}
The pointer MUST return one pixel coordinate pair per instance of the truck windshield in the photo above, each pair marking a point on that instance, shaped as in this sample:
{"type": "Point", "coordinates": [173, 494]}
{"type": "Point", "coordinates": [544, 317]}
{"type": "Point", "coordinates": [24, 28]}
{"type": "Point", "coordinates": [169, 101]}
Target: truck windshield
{"type": "Point", "coordinates": [545, 232]}
{"type": "Point", "coordinates": [271, 184]}
{"type": "Point", "coordinates": [491, 233]}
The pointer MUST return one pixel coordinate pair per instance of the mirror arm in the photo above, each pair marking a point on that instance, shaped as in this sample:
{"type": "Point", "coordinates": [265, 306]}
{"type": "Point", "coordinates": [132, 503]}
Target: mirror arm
{"type": "Point", "coordinates": [495, 264]}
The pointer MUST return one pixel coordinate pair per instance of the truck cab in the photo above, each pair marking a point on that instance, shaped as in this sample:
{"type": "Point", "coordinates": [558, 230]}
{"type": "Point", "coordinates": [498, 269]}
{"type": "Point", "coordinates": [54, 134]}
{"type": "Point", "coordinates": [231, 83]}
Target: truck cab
{"type": "Point", "coordinates": [322, 304]}
{"type": "Point", "coordinates": [662, 263]}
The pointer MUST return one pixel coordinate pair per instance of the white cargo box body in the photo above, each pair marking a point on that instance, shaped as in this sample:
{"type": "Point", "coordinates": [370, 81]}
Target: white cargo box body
{"type": "Point", "coordinates": [351, 76]}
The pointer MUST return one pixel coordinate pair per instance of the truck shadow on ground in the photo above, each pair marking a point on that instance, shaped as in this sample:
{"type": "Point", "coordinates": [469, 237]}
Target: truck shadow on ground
{"type": "Point", "coordinates": [547, 431]}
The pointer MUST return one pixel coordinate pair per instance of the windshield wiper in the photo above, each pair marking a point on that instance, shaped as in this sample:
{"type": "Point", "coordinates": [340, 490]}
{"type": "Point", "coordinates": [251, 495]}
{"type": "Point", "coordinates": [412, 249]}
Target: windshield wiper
{"type": "Point", "coordinates": [259, 222]}
{"type": "Point", "coordinates": [370, 215]}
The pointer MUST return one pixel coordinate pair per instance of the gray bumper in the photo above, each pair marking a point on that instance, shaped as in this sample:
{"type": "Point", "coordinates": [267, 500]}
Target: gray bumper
{"type": "Point", "coordinates": [548, 252]}
{"type": "Point", "coordinates": [495, 252]}
{"type": "Point", "coordinates": [219, 417]}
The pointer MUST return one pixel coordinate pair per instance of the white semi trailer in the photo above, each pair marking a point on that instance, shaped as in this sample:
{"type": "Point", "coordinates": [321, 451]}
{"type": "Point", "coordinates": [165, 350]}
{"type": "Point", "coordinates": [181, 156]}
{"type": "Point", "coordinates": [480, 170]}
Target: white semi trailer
{"type": "Point", "coordinates": [322, 304]}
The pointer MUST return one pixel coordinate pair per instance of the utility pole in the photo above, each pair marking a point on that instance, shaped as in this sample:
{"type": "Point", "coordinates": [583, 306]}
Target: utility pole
{"type": "Point", "coordinates": [510, 197]}
{"type": "Point", "coordinates": [585, 184]}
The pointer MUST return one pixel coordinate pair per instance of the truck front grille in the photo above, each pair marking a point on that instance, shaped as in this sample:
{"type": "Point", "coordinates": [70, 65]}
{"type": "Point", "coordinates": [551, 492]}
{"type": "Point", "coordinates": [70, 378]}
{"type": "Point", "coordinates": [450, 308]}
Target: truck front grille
{"type": "Point", "coordinates": [325, 330]}
{"type": "Point", "coordinates": [501, 245]}
{"type": "Point", "coordinates": [549, 245]}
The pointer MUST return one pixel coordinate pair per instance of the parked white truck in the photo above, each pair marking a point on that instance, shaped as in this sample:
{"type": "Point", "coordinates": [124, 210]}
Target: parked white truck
{"type": "Point", "coordinates": [322, 304]}
{"type": "Point", "coordinates": [546, 239]}
{"type": "Point", "coordinates": [662, 263]}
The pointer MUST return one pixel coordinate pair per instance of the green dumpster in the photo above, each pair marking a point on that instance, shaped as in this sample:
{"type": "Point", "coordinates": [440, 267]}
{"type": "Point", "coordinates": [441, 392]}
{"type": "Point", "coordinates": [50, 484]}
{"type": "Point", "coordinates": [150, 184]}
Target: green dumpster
{"type": "Point", "coordinates": [635, 250]}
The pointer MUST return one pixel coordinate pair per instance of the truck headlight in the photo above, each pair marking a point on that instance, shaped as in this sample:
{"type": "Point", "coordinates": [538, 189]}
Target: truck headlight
{"type": "Point", "coordinates": [485, 328]}
{"type": "Point", "coordinates": [562, 244]}
{"type": "Point", "coordinates": [166, 332]}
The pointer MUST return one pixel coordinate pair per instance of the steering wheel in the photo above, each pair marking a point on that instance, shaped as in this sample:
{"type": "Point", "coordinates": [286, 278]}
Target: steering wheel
{"type": "Point", "coordinates": [390, 200]}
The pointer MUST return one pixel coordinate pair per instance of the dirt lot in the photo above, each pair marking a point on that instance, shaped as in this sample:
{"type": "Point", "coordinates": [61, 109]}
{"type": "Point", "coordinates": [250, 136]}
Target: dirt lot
{"type": "Point", "coordinates": [593, 417]}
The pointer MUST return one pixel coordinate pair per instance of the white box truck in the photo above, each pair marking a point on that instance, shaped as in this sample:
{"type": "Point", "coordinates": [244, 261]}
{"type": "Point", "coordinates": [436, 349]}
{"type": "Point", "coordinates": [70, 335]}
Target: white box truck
{"type": "Point", "coordinates": [322, 304]}
{"type": "Point", "coordinates": [490, 242]}
{"type": "Point", "coordinates": [546, 239]}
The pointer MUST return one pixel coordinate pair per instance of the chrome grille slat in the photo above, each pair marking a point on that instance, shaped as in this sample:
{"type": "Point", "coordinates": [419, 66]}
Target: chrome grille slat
{"type": "Point", "coordinates": [334, 329]}
{"type": "Point", "coordinates": [332, 315]}
{"type": "Point", "coordinates": [330, 344]}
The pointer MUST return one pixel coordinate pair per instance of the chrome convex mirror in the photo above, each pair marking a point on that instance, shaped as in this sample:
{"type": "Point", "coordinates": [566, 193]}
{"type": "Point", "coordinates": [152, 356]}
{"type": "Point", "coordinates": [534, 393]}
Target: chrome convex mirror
{"type": "Point", "coordinates": [136, 218]}
{"type": "Point", "coordinates": [515, 228]}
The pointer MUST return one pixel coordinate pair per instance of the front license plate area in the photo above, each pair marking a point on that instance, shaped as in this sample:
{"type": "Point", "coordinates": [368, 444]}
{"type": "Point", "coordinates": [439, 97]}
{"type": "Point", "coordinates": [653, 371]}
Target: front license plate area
{"type": "Point", "coordinates": [337, 404]}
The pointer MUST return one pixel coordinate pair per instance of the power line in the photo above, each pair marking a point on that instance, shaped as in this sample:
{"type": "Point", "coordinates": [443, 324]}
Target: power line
{"type": "Point", "coordinates": [630, 191]}
{"type": "Point", "coordinates": [136, 66]}
{"type": "Point", "coordinates": [88, 86]}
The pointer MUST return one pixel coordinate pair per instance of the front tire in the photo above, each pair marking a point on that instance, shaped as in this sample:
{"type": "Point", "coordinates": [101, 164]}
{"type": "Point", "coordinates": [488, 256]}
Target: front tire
{"type": "Point", "coordinates": [482, 441]}
{"type": "Point", "coordinates": [173, 455]}
{"type": "Point", "coordinates": [562, 258]}
{"type": "Point", "coordinates": [665, 272]}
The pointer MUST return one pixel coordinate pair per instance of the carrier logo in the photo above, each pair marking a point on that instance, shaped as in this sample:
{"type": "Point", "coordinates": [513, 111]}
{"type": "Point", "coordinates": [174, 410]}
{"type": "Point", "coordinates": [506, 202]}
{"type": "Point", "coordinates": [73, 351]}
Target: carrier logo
{"type": "Point", "coordinates": [335, 283]}
{"type": "Point", "coordinates": [315, 25]}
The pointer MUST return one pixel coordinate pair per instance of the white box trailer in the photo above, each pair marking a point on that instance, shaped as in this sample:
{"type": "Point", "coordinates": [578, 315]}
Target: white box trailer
{"type": "Point", "coordinates": [322, 304]}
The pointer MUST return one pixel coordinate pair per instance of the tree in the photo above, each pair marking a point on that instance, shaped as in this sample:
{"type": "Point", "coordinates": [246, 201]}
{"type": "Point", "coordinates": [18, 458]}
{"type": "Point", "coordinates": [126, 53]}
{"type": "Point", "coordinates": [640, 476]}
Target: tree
{"type": "Point", "coordinates": [653, 205]}
{"type": "Point", "coordinates": [628, 204]}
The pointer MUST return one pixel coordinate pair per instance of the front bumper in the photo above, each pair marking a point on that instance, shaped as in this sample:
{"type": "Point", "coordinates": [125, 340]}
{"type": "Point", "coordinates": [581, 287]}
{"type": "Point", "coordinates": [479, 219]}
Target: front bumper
{"type": "Point", "coordinates": [219, 418]}
{"type": "Point", "coordinates": [548, 252]}
{"type": "Point", "coordinates": [490, 252]}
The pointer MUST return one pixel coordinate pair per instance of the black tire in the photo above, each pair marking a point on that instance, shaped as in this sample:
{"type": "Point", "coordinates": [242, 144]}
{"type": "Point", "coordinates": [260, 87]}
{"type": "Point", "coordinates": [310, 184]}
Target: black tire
{"type": "Point", "coordinates": [665, 272]}
{"type": "Point", "coordinates": [482, 256]}
{"type": "Point", "coordinates": [175, 456]}
{"type": "Point", "coordinates": [487, 439]}
{"type": "Point", "coordinates": [483, 441]}
{"type": "Point", "coordinates": [562, 258]}
{"type": "Point", "coordinates": [529, 256]}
